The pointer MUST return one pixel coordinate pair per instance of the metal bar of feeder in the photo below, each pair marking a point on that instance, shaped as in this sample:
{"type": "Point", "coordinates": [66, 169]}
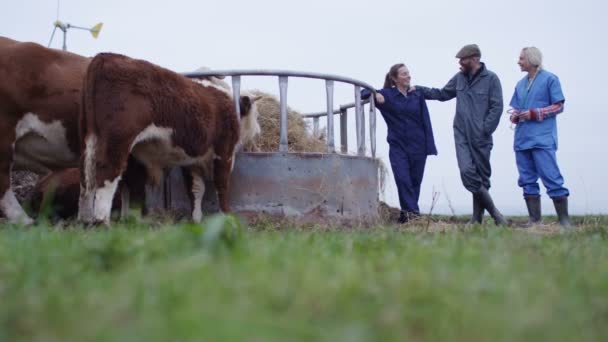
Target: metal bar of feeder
{"type": "Point", "coordinates": [287, 73]}
{"type": "Point", "coordinates": [329, 87]}
{"type": "Point", "coordinates": [336, 111]}
{"type": "Point", "coordinates": [372, 124]}
{"type": "Point", "coordinates": [363, 125]}
{"type": "Point", "coordinates": [359, 122]}
{"type": "Point", "coordinates": [283, 144]}
{"type": "Point", "coordinates": [236, 95]}
{"type": "Point", "coordinates": [343, 131]}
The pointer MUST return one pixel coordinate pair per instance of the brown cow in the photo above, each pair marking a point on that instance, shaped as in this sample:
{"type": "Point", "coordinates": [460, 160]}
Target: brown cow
{"type": "Point", "coordinates": [59, 191]}
{"type": "Point", "coordinates": [39, 106]}
{"type": "Point", "coordinates": [162, 119]}
{"type": "Point", "coordinates": [39, 109]}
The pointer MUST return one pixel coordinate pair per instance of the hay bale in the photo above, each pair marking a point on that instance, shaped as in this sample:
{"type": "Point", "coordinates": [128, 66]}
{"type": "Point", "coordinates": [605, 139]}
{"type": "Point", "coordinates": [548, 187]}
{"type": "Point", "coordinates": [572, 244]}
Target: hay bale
{"type": "Point", "coordinates": [299, 137]}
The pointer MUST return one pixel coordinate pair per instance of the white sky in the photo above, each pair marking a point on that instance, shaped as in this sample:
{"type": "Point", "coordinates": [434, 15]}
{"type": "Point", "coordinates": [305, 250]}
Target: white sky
{"type": "Point", "coordinates": [362, 39]}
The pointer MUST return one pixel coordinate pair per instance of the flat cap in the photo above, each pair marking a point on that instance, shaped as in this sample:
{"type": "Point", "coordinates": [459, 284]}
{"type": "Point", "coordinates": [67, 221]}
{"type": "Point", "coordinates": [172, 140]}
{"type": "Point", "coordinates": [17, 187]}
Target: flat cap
{"type": "Point", "coordinates": [470, 50]}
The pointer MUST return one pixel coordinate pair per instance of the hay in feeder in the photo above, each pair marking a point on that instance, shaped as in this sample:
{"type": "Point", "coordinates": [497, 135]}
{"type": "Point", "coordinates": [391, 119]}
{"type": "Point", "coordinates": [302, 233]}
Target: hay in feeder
{"type": "Point", "coordinates": [299, 137]}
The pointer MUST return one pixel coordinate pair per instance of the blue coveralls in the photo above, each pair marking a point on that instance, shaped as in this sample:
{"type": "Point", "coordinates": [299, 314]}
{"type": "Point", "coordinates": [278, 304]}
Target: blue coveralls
{"type": "Point", "coordinates": [410, 140]}
{"type": "Point", "coordinates": [535, 142]}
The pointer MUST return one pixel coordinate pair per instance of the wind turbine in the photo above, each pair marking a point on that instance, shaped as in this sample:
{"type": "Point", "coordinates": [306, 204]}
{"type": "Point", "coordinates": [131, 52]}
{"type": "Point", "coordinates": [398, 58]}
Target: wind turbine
{"type": "Point", "coordinates": [64, 27]}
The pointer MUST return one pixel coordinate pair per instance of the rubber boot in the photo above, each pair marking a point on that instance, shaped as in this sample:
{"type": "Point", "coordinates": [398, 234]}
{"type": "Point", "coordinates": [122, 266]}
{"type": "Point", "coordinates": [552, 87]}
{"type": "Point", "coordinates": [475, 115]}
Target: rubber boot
{"type": "Point", "coordinates": [407, 216]}
{"type": "Point", "coordinates": [561, 208]}
{"type": "Point", "coordinates": [483, 196]}
{"type": "Point", "coordinates": [402, 217]}
{"type": "Point", "coordinates": [534, 210]}
{"type": "Point", "coordinates": [478, 211]}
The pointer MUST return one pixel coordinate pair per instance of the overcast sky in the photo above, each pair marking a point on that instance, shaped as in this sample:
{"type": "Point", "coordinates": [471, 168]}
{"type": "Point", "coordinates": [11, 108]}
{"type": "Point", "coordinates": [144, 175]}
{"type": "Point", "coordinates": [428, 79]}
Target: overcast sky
{"type": "Point", "coordinates": [362, 39]}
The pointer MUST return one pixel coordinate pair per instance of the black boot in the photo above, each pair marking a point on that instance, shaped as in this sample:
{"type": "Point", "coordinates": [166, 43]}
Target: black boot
{"type": "Point", "coordinates": [534, 210]}
{"type": "Point", "coordinates": [407, 216]}
{"type": "Point", "coordinates": [478, 211]}
{"type": "Point", "coordinates": [483, 196]}
{"type": "Point", "coordinates": [402, 217]}
{"type": "Point", "coordinates": [561, 208]}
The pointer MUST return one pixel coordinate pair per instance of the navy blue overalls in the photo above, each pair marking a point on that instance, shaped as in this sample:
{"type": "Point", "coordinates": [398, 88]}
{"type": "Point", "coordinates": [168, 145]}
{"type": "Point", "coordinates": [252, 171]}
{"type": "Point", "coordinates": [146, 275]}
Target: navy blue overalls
{"type": "Point", "coordinates": [410, 140]}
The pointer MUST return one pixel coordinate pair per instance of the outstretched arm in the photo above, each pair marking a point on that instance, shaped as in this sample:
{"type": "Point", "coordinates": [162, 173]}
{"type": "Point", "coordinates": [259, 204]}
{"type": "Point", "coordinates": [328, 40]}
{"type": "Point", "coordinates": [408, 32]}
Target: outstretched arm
{"type": "Point", "coordinates": [446, 93]}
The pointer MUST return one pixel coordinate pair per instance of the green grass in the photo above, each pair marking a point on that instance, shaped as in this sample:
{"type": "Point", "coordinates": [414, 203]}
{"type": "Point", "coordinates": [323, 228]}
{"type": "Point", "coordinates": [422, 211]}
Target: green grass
{"type": "Point", "coordinates": [221, 281]}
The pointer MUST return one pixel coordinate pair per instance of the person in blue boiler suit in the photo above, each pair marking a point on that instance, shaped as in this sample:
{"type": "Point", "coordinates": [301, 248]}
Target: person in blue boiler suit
{"type": "Point", "coordinates": [410, 135]}
{"type": "Point", "coordinates": [536, 102]}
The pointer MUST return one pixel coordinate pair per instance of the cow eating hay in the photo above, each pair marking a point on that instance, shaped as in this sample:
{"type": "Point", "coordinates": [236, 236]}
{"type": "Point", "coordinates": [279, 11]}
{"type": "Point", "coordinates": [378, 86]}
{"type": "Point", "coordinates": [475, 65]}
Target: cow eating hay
{"type": "Point", "coordinates": [163, 119]}
{"type": "Point", "coordinates": [39, 104]}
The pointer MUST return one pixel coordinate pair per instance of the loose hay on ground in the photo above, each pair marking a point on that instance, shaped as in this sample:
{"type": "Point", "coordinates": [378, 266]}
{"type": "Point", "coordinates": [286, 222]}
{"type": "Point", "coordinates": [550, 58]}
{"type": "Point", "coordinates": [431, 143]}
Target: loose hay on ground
{"type": "Point", "coordinates": [23, 182]}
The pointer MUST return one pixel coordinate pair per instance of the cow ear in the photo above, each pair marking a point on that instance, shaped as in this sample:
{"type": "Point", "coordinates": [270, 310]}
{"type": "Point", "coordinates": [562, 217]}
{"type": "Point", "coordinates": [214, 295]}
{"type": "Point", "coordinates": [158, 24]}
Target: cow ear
{"type": "Point", "coordinates": [245, 105]}
{"type": "Point", "coordinates": [256, 98]}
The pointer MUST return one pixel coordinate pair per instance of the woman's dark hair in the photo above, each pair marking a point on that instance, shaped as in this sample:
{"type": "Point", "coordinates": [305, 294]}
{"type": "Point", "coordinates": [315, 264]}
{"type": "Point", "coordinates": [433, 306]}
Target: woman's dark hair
{"type": "Point", "coordinates": [392, 74]}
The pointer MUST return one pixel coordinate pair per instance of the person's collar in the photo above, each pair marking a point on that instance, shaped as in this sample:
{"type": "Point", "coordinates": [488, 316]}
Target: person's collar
{"type": "Point", "coordinates": [482, 69]}
{"type": "Point", "coordinates": [397, 91]}
{"type": "Point", "coordinates": [538, 71]}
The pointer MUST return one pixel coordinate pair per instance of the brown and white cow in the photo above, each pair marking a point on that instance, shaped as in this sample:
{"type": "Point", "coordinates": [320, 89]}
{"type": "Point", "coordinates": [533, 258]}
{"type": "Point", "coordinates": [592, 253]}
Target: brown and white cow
{"type": "Point", "coordinates": [160, 117]}
{"type": "Point", "coordinates": [58, 192]}
{"type": "Point", "coordinates": [39, 105]}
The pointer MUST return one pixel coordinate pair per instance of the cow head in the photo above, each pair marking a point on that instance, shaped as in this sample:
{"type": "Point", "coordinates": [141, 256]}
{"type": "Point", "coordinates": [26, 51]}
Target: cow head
{"type": "Point", "coordinates": [249, 126]}
{"type": "Point", "coordinates": [249, 118]}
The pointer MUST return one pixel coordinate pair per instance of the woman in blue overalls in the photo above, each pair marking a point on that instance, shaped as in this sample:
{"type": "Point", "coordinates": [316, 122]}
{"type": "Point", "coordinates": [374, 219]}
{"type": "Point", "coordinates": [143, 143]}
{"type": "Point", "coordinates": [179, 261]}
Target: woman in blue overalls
{"type": "Point", "coordinates": [410, 135]}
{"type": "Point", "coordinates": [537, 99]}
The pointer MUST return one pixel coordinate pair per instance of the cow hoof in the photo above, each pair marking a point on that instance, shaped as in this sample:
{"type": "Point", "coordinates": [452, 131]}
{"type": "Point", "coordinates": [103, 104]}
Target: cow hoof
{"type": "Point", "coordinates": [95, 224]}
{"type": "Point", "coordinates": [90, 222]}
{"type": "Point", "coordinates": [23, 221]}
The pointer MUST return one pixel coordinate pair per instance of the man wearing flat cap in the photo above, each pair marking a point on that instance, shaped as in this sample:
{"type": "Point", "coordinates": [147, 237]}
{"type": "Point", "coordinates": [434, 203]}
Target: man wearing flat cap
{"type": "Point", "coordinates": [479, 106]}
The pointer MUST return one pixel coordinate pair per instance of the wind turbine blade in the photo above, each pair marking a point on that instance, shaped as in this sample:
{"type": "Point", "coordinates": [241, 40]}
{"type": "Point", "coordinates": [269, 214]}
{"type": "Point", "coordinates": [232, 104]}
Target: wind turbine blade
{"type": "Point", "coordinates": [95, 30]}
{"type": "Point", "coordinates": [52, 35]}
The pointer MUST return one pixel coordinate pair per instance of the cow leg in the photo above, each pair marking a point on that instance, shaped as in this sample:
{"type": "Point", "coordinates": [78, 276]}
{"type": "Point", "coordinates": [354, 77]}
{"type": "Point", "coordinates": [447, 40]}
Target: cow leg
{"type": "Point", "coordinates": [87, 180]}
{"type": "Point", "coordinates": [124, 201]}
{"type": "Point", "coordinates": [198, 191]}
{"type": "Point", "coordinates": [103, 200]}
{"type": "Point", "coordinates": [221, 178]}
{"type": "Point", "coordinates": [9, 205]}
{"type": "Point", "coordinates": [102, 172]}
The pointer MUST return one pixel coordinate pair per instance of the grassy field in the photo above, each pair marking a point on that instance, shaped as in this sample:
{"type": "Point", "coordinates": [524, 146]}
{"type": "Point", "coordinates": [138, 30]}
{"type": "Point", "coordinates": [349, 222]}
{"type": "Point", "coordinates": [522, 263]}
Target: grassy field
{"type": "Point", "coordinates": [223, 281]}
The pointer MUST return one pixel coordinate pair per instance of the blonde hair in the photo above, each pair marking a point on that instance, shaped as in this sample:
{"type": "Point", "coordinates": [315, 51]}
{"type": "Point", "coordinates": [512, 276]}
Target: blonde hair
{"type": "Point", "coordinates": [533, 56]}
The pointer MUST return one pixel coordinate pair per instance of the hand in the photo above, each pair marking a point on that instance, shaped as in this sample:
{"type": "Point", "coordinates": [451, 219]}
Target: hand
{"type": "Point", "coordinates": [379, 98]}
{"type": "Point", "coordinates": [514, 118]}
{"type": "Point", "coordinates": [524, 116]}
